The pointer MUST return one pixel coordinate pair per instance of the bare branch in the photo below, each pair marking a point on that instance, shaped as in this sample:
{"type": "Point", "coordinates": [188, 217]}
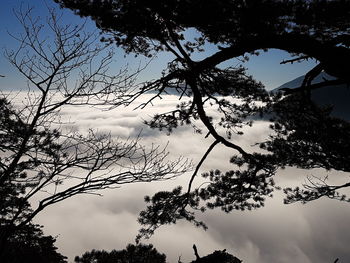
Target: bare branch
{"type": "Point", "coordinates": [38, 157]}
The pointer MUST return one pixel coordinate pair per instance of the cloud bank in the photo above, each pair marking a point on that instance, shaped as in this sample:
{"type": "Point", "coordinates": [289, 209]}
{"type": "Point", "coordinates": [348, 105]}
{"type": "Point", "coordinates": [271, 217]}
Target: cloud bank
{"type": "Point", "coordinates": [316, 232]}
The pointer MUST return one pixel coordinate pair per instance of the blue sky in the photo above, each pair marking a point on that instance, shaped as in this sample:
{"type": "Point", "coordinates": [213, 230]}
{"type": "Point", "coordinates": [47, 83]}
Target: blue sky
{"type": "Point", "coordinates": [264, 67]}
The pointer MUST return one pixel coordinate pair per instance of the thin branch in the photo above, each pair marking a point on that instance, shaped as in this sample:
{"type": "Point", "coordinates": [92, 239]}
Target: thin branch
{"type": "Point", "coordinates": [211, 147]}
{"type": "Point", "coordinates": [298, 59]}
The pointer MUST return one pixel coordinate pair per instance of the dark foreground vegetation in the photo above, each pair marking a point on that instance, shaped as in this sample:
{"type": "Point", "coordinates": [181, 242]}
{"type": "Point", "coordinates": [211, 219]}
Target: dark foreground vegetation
{"type": "Point", "coordinates": [147, 254]}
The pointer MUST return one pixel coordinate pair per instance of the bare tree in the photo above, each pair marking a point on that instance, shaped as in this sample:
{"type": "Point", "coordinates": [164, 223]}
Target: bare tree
{"type": "Point", "coordinates": [38, 157]}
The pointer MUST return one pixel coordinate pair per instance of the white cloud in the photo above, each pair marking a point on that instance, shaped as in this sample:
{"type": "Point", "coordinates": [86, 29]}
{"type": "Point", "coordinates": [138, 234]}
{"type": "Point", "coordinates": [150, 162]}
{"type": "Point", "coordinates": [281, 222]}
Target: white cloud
{"type": "Point", "coordinates": [316, 232]}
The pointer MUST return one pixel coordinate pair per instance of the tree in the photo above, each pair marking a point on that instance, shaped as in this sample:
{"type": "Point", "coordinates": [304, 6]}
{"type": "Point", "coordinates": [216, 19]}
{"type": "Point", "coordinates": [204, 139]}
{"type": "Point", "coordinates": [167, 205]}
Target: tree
{"type": "Point", "coordinates": [304, 135]}
{"type": "Point", "coordinates": [29, 244]}
{"type": "Point", "coordinates": [139, 253]}
{"type": "Point", "coordinates": [216, 256]}
{"type": "Point", "coordinates": [42, 162]}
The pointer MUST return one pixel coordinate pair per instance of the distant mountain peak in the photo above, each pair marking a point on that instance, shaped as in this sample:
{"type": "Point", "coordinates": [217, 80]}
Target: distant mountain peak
{"type": "Point", "coordinates": [337, 96]}
{"type": "Point", "coordinates": [295, 83]}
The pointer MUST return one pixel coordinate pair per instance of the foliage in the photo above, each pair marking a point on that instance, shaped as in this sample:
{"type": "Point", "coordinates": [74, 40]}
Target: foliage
{"type": "Point", "coordinates": [132, 254]}
{"type": "Point", "coordinates": [147, 253]}
{"type": "Point", "coordinates": [218, 256]}
{"type": "Point", "coordinates": [303, 134]}
{"type": "Point", "coordinates": [30, 245]}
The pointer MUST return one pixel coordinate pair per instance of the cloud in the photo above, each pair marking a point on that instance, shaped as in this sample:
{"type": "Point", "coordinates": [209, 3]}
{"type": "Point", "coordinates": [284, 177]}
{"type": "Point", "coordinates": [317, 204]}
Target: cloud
{"type": "Point", "coordinates": [316, 232]}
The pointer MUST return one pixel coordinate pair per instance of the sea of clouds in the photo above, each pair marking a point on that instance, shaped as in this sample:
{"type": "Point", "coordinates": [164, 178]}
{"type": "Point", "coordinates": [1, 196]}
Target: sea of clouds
{"type": "Point", "coordinates": [315, 232]}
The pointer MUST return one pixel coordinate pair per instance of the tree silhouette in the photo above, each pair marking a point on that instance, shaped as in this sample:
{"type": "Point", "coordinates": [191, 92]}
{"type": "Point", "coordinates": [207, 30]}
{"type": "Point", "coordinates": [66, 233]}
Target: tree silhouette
{"type": "Point", "coordinates": [132, 254]}
{"type": "Point", "coordinates": [217, 256]}
{"type": "Point", "coordinates": [148, 254]}
{"type": "Point", "coordinates": [41, 161]}
{"type": "Point", "coordinates": [30, 245]}
{"type": "Point", "coordinates": [304, 135]}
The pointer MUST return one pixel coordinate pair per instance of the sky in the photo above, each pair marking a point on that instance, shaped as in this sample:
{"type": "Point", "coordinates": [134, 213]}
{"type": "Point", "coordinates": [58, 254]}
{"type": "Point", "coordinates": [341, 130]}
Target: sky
{"type": "Point", "coordinates": [316, 232]}
{"type": "Point", "coordinates": [265, 68]}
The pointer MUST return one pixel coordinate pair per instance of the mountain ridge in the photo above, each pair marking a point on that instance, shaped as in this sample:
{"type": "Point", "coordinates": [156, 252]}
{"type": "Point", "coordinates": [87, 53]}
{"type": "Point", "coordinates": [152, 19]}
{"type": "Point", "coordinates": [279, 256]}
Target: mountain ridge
{"type": "Point", "coordinates": [337, 96]}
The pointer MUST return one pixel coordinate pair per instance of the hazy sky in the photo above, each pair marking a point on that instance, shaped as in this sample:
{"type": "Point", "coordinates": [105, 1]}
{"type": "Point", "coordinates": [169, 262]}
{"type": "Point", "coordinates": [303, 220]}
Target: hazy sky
{"type": "Point", "coordinates": [316, 232]}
